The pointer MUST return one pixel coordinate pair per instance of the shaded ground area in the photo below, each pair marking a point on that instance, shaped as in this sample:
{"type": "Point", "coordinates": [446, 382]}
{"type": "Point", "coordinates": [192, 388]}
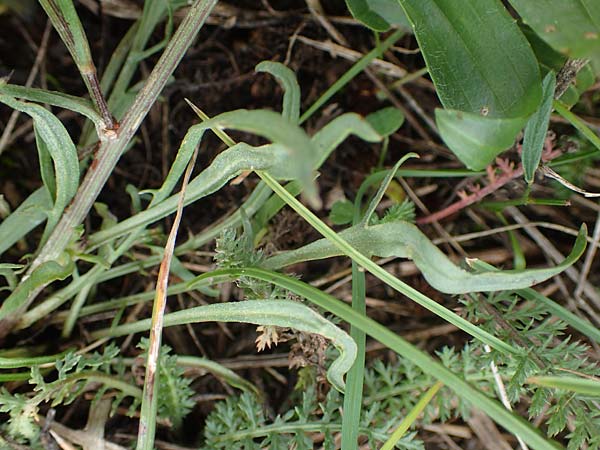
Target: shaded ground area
{"type": "Point", "coordinates": [218, 75]}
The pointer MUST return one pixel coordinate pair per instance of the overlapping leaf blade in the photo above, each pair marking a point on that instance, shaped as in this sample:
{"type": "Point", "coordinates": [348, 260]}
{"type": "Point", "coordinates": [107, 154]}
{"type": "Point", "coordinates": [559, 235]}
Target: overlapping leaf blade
{"type": "Point", "coordinates": [571, 27]}
{"type": "Point", "coordinates": [61, 177]}
{"type": "Point", "coordinates": [480, 63]}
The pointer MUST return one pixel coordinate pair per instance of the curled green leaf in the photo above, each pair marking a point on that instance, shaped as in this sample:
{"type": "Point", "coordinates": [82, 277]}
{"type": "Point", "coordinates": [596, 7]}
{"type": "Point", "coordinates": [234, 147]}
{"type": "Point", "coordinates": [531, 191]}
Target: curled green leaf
{"type": "Point", "coordinates": [291, 89]}
{"type": "Point", "coordinates": [61, 180]}
{"type": "Point", "coordinates": [277, 159]}
{"type": "Point", "coordinates": [405, 240]}
{"type": "Point", "coordinates": [280, 313]}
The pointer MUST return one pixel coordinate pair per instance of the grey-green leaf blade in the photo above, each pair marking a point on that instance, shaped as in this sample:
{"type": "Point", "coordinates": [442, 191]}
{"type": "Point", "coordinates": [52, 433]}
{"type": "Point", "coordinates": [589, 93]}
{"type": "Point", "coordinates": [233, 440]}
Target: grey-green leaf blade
{"type": "Point", "coordinates": [31, 213]}
{"type": "Point", "coordinates": [291, 89]}
{"type": "Point", "coordinates": [281, 313]}
{"type": "Point", "coordinates": [405, 240]}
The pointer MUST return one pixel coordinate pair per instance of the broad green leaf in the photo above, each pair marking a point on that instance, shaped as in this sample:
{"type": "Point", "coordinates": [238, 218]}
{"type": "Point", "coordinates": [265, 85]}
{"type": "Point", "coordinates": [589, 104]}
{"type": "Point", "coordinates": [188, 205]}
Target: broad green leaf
{"type": "Point", "coordinates": [342, 212]}
{"type": "Point", "coordinates": [291, 89]}
{"type": "Point", "coordinates": [572, 27]}
{"type": "Point", "coordinates": [579, 385]}
{"type": "Point", "coordinates": [363, 11]}
{"type": "Point", "coordinates": [548, 58]}
{"type": "Point", "coordinates": [536, 130]}
{"type": "Point", "coordinates": [484, 70]}
{"type": "Point", "coordinates": [31, 213]}
{"type": "Point", "coordinates": [53, 139]}
{"type": "Point", "coordinates": [476, 140]}
{"type": "Point", "coordinates": [405, 240]}
{"type": "Point", "coordinates": [386, 121]}
{"type": "Point", "coordinates": [477, 57]}
{"type": "Point", "coordinates": [281, 313]}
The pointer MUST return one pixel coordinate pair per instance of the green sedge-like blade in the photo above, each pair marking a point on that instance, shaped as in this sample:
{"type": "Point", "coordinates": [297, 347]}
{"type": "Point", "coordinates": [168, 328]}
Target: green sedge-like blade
{"type": "Point", "coordinates": [536, 130]}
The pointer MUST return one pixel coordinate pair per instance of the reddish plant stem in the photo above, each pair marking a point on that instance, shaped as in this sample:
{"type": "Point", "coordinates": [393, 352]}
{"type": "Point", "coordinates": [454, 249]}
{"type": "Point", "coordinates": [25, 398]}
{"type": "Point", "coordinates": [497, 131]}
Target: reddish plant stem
{"type": "Point", "coordinates": [473, 198]}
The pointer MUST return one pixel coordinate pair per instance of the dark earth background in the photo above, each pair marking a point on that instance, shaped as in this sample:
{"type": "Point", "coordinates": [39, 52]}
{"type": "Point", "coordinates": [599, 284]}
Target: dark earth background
{"type": "Point", "coordinates": [217, 74]}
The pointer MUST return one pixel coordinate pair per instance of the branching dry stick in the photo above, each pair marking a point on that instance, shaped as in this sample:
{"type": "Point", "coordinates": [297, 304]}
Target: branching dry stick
{"type": "Point", "coordinates": [110, 150]}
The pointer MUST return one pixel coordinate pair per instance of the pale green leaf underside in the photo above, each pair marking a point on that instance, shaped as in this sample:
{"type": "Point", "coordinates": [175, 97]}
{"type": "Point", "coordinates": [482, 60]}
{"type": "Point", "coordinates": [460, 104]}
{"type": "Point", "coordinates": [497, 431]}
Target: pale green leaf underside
{"type": "Point", "coordinates": [31, 213]}
{"type": "Point", "coordinates": [405, 240]}
{"type": "Point", "coordinates": [58, 144]}
{"type": "Point", "coordinates": [476, 140]}
{"type": "Point", "coordinates": [291, 89]}
{"type": "Point", "coordinates": [276, 158]}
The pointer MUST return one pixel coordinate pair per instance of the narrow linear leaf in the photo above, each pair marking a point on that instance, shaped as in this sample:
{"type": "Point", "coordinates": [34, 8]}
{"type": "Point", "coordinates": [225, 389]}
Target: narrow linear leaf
{"type": "Point", "coordinates": [584, 386]}
{"type": "Point", "coordinates": [536, 130]}
{"type": "Point", "coordinates": [44, 274]}
{"type": "Point", "coordinates": [31, 213]}
{"type": "Point", "coordinates": [281, 313]}
{"type": "Point", "coordinates": [54, 98]}
{"type": "Point", "coordinates": [412, 416]}
{"type": "Point", "coordinates": [508, 419]}
{"type": "Point", "coordinates": [54, 139]}
{"type": "Point", "coordinates": [273, 158]}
